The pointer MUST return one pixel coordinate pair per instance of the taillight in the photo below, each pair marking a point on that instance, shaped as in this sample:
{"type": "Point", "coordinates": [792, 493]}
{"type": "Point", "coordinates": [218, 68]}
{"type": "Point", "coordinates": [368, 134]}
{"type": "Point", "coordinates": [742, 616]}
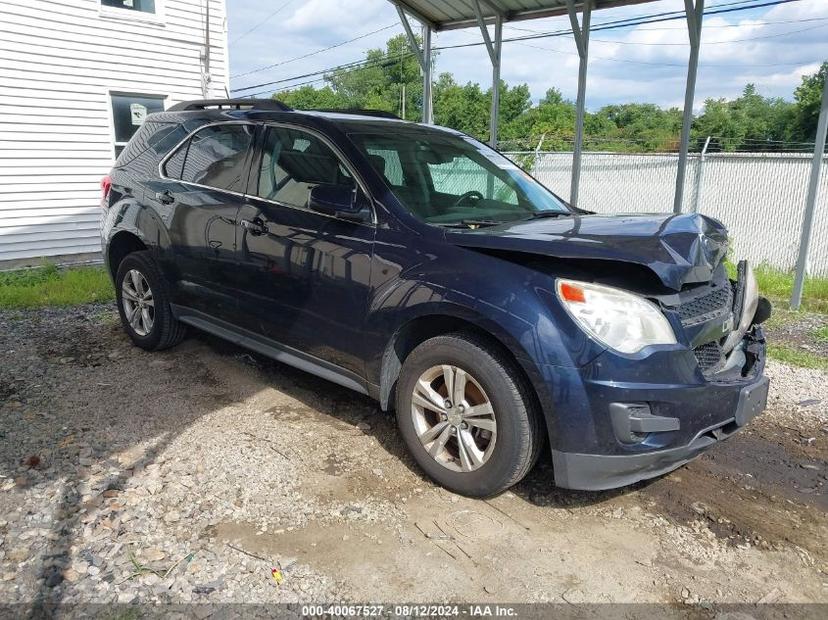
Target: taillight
{"type": "Point", "coordinates": [106, 185]}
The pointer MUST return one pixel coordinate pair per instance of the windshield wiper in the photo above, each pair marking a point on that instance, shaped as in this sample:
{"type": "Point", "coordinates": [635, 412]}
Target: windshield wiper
{"type": "Point", "coordinates": [472, 223]}
{"type": "Point", "coordinates": [539, 215]}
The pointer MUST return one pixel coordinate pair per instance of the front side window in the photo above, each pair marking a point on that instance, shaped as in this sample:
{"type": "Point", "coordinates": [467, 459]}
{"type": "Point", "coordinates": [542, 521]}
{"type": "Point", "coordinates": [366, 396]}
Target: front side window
{"type": "Point", "coordinates": [143, 6]}
{"type": "Point", "coordinates": [215, 156]}
{"type": "Point", "coordinates": [293, 162]}
{"type": "Point", "coordinates": [453, 180]}
{"type": "Point", "coordinates": [128, 114]}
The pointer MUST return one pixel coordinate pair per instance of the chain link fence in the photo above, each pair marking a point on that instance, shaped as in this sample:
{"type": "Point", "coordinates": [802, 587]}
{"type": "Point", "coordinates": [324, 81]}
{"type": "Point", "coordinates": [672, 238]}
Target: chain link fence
{"type": "Point", "coordinates": [760, 197]}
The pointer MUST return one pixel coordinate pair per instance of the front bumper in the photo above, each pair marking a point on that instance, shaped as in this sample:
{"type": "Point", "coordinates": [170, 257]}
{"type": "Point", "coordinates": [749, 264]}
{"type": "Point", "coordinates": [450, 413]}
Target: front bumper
{"type": "Point", "coordinates": [595, 472]}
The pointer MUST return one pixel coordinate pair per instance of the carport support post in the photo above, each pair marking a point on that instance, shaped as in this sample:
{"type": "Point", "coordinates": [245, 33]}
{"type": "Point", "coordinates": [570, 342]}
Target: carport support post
{"type": "Point", "coordinates": [810, 202]}
{"type": "Point", "coordinates": [423, 57]}
{"type": "Point", "coordinates": [428, 104]}
{"type": "Point", "coordinates": [495, 112]}
{"type": "Point", "coordinates": [694, 25]}
{"type": "Point", "coordinates": [494, 55]}
{"type": "Point", "coordinates": [581, 34]}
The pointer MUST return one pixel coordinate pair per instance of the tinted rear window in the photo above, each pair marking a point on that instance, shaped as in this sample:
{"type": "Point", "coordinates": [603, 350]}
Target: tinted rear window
{"type": "Point", "coordinates": [215, 156]}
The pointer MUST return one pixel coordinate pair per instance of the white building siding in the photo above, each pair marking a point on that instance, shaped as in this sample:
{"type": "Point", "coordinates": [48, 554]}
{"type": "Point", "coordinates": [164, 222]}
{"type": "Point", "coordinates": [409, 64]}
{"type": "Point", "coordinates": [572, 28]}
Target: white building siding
{"type": "Point", "coordinates": [60, 61]}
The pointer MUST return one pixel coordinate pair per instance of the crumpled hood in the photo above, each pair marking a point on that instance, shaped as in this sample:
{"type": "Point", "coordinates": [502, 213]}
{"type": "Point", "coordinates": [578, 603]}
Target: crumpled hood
{"type": "Point", "coordinates": [679, 249]}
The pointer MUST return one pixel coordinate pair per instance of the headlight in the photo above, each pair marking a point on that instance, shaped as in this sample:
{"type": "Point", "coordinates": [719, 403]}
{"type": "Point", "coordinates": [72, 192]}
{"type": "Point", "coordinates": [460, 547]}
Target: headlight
{"type": "Point", "coordinates": [622, 321]}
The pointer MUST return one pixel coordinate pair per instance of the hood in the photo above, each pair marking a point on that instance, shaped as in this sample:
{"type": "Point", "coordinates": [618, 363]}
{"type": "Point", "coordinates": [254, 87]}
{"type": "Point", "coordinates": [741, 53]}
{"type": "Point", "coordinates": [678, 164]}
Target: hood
{"type": "Point", "coordinates": [679, 249]}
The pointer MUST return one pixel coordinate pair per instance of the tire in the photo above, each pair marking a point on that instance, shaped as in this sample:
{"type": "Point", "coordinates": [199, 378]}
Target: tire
{"type": "Point", "coordinates": [162, 330]}
{"type": "Point", "coordinates": [489, 377]}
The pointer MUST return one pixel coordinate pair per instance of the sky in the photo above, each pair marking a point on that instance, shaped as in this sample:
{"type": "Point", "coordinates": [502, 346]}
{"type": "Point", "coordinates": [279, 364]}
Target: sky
{"type": "Point", "coordinates": [772, 47]}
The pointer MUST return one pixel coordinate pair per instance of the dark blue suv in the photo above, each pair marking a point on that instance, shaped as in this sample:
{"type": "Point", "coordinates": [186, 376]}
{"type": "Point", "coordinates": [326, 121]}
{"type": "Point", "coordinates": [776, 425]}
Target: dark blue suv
{"type": "Point", "coordinates": [416, 265]}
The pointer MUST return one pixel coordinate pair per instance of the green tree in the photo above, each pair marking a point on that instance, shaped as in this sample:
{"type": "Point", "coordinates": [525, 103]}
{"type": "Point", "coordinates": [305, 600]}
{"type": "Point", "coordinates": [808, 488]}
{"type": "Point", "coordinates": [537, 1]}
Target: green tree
{"type": "Point", "coordinates": [749, 122]}
{"type": "Point", "coordinates": [308, 98]}
{"type": "Point", "coordinates": [465, 108]}
{"type": "Point", "coordinates": [635, 127]}
{"type": "Point", "coordinates": [389, 74]}
{"type": "Point", "coordinates": [552, 121]}
{"type": "Point", "coordinates": [808, 98]}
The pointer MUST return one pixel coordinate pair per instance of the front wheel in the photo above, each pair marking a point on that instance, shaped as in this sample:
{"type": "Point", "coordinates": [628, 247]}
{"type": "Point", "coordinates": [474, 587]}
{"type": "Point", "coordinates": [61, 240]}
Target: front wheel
{"type": "Point", "coordinates": [144, 303]}
{"type": "Point", "coordinates": [466, 415]}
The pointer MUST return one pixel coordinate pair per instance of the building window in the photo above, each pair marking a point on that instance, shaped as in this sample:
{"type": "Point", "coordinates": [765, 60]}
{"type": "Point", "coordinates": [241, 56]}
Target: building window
{"type": "Point", "coordinates": [144, 6]}
{"type": "Point", "coordinates": [128, 114]}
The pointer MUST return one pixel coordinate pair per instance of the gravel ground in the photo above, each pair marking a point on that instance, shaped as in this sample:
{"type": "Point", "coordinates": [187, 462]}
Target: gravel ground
{"type": "Point", "coordinates": [189, 475]}
{"type": "Point", "coordinates": [798, 330]}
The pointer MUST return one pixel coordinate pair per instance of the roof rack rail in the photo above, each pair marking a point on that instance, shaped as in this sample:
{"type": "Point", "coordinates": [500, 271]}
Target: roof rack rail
{"type": "Point", "coordinates": [362, 112]}
{"type": "Point", "coordinates": [234, 104]}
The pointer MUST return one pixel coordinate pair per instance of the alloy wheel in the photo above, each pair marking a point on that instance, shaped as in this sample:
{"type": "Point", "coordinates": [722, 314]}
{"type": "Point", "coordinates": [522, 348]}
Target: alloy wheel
{"type": "Point", "coordinates": [138, 302]}
{"type": "Point", "coordinates": [453, 418]}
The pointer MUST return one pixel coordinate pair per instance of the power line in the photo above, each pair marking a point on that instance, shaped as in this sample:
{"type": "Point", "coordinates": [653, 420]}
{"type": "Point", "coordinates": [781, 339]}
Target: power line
{"type": "Point", "coordinates": [357, 64]}
{"type": "Point", "coordinates": [263, 22]}
{"type": "Point", "coordinates": [659, 64]}
{"type": "Point", "coordinates": [706, 26]}
{"type": "Point", "coordinates": [309, 54]}
{"type": "Point", "coordinates": [736, 6]}
{"type": "Point", "coordinates": [756, 38]}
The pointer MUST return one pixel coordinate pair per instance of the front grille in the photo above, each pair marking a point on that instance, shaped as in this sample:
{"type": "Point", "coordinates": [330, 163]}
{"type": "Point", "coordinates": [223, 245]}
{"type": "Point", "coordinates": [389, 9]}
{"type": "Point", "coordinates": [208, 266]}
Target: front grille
{"type": "Point", "coordinates": [709, 356]}
{"type": "Point", "coordinates": [717, 302]}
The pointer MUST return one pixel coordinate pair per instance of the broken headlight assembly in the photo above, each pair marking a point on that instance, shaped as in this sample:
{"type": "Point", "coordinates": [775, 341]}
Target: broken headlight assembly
{"type": "Point", "coordinates": [621, 320]}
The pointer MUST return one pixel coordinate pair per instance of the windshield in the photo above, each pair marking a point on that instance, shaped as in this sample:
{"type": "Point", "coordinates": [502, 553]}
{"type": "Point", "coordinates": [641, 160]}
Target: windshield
{"type": "Point", "coordinates": [452, 180]}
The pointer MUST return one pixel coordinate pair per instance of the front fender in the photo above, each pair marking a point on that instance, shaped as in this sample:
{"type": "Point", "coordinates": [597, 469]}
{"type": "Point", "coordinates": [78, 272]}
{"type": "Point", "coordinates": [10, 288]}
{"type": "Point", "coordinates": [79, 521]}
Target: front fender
{"type": "Point", "coordinates": [513, 304]}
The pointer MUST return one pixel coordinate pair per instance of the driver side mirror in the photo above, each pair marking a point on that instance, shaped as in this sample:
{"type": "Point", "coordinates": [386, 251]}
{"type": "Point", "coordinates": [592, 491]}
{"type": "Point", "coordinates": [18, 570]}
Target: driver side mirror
{"type": "Point", "coordinates": [342, 201]}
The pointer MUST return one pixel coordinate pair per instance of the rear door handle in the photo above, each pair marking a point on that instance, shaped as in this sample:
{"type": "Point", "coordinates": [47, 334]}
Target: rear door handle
{"type": "Point", "coordinates": [255, 226]}
{"type": "Point", "coordinates": [165, 197]}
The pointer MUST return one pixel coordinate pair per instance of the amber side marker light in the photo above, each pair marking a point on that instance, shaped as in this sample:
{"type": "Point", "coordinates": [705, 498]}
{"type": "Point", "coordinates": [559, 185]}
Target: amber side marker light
{"type": "Point", "coordinates": [573, 293]}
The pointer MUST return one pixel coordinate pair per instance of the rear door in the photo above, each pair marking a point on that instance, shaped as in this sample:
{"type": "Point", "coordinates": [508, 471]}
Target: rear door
{"type": "Point", "coordinates": [304, 276]}
{"type": "Point", "coordinates": [198, 196]}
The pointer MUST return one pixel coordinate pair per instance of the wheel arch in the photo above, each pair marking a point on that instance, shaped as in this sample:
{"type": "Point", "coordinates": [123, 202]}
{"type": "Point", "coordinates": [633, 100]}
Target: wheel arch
{"type": "Point", "coordinates": [418, 329]}
{"type": "Point", "coordinates": [122, 244]}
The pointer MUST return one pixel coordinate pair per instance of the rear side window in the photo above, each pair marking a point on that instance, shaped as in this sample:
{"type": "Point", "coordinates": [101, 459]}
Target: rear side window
{"type": "Point", "coordinates": [214, 156]}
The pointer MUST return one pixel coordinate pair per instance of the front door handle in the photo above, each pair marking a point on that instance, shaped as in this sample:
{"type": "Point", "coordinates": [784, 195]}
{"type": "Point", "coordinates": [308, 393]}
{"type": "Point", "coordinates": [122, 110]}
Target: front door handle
{"type": "Point", "coordinates": [255, 226]}
{"type": "Point", "coordinates": [165, 197]}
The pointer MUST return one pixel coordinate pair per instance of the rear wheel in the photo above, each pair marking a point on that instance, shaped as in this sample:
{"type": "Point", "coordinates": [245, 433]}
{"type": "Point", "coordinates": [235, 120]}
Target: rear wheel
{"type": "Point", "coordinates": [466, 415]}
{"type": "Point", "coordinates": [144, 303]}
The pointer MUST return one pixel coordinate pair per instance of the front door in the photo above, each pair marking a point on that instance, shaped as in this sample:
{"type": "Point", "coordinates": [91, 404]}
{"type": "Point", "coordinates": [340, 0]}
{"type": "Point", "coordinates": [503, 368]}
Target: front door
{"type": "Point", "coordinates": [304, 276]}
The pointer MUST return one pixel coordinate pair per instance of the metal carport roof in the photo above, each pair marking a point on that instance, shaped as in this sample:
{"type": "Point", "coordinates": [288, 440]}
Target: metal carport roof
{"type": "Point", "coordinates": [448, 15]}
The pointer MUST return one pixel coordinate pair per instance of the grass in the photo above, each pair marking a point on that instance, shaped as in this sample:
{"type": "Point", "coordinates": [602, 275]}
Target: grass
{"type": "Point", "coordinates": [51, 286]}
{"type": "Point", "coordinates": [777, 286]}
{"type": "Point", "coordinates": [797, 357]}
{"type": "Point", "coordinates": [821, 334]}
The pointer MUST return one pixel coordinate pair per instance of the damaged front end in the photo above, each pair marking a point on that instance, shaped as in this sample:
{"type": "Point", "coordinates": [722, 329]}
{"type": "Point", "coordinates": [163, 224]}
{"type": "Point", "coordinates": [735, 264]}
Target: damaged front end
{"type": "Point", "coordinates": [652, 413]}
{"type": "Point", "coordinates": [721, 320]}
